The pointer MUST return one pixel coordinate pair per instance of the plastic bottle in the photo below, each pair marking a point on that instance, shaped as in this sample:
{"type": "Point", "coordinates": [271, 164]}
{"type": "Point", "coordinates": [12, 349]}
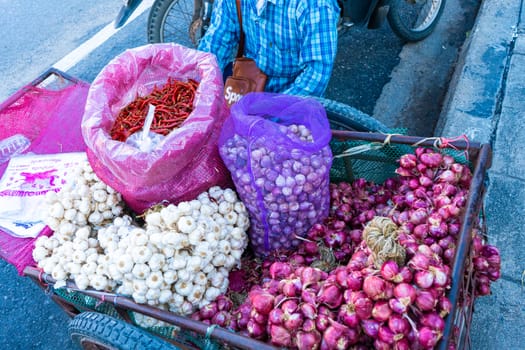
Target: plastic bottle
{"type": "Point", "coordinates": [12, 146]}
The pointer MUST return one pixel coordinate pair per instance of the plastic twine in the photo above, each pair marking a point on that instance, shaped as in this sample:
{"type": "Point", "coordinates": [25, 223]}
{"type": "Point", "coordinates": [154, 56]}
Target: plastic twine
{"type": "Point", "coordinates": [115, 299]}
{"type": "Point", "coordinates": [359, 149]}
{"type": "Point", "coordinates": [388, 138]}
{"type": "Point", "coordinates": [372, 146]}
{"type": "Point", "coordinates": [40, 273]}
{"type": "Point", "coordinates": [443, 142]}
{"type": "Point", "coordinates": [101, 301]}
{"type": "Point", "coordinates": [380, 235]}
{"type": "Point", "coordinates": [208, 343]}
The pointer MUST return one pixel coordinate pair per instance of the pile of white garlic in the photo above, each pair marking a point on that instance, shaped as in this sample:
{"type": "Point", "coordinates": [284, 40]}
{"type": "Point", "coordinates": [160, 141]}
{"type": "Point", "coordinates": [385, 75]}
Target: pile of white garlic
{"type": "Point", "coordinates": [178, 261]}
{"type": "Point", "coordinates": [74, 214]}
{"type": "Point", "coordinates": [182, 257]}
{"type": "Point", "coordinates": [85, 200]}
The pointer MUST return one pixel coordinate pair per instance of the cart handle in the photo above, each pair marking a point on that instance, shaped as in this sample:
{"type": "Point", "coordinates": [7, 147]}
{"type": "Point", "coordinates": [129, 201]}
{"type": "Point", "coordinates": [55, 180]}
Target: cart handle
{"type": "Point", "coordinates": [218, 333]}
{"type": "Point", "coordinates": [13, 98]}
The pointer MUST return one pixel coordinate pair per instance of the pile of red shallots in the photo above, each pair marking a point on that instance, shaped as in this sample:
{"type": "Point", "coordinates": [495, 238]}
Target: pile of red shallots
{"type": "Point", "coordinates": [374, 274]}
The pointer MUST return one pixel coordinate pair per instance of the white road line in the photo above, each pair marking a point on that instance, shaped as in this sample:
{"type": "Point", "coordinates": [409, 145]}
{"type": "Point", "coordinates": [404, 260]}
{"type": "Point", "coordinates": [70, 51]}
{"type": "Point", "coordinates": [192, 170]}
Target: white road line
{"type": "Point", "coordinates": [75, 56]}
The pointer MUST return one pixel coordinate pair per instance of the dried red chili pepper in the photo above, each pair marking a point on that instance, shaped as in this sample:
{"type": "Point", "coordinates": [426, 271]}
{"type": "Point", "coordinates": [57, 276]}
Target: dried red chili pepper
{"type": "Point", "coordinates": [173, 104]}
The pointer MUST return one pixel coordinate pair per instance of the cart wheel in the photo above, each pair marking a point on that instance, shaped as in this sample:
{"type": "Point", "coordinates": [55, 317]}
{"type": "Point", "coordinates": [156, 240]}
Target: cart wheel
{"type": "Point", "coordinates": [95, 331]}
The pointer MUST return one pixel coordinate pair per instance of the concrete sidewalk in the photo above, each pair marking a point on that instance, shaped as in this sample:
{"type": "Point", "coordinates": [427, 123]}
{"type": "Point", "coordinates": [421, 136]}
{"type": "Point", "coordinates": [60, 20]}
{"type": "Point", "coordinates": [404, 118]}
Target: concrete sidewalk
{"type": "Point", "coordinates": [486, 102]}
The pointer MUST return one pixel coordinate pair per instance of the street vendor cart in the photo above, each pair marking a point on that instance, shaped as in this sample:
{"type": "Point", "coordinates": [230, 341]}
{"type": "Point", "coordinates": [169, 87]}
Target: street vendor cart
{"type": "Point", "coordinates": [366, 159]}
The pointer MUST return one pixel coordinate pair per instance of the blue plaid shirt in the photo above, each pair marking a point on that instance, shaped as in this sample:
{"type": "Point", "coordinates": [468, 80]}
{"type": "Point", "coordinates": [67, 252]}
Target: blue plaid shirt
{"type": "Point", "coordinates": [294, 42]}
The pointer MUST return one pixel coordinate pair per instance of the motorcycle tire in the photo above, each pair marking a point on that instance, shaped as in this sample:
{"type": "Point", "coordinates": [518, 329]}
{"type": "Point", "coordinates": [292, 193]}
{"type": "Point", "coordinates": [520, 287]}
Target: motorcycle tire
{"type": "Point", "coordinates": [92, 330]}
{"type": "Point", "coordinates": [414, 20]}
{"type": "Point", "coordinates": [345, 117]}
{"type": "Point", "coordinates": [172, 21]}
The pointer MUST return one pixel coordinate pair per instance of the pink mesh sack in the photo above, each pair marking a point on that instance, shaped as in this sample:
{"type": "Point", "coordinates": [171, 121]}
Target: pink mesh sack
{"type": "Point", "coordinates": [50, 118]}
{"type": "Point", "coordinates": [186, 162]}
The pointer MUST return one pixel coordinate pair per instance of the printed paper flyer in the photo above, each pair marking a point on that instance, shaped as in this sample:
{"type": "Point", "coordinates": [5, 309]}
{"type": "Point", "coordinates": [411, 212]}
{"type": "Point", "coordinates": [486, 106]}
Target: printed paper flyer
{"type": "Point", "coordinates": [24, 185]}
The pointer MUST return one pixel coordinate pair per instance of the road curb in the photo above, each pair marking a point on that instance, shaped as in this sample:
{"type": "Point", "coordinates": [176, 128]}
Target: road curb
{"type": "Point", "coordinates": [473, 102]}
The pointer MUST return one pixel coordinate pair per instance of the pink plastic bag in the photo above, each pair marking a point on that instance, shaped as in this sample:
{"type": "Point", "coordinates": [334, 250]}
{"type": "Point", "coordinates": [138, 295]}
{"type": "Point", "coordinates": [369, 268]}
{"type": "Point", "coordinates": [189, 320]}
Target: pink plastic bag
{"type": "Point", "coordinates": [186, 162]}
{"type": "Point", "coordinates": [50, 117]}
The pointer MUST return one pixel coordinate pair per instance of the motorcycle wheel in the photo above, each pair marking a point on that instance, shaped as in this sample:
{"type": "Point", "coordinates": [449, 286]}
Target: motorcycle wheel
{"type": "Point", "coordinates": [345, 117]}
{"type": "Point", "coordinates": [174, 21]}
{"type": "Point", "coordinates": [95, 331]}
{"type": "Point", "coordinates": [414, 20]}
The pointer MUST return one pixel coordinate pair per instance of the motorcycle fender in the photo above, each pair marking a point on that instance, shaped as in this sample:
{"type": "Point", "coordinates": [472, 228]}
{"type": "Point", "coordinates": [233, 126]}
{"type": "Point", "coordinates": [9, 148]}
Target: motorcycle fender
{"type": "Point", "coordinates": [125, 12]}
{"type": "Point", "coordinates": [378, 17]}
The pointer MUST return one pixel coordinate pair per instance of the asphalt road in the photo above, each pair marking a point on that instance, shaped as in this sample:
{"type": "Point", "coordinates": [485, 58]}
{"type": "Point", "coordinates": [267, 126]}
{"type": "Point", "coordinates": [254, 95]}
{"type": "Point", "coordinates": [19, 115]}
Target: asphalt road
{"type": "Point", "coordinates": [38, 34]}
{"type": "Point", "coordinates": [401, 85]}
{"type": "Point", "coordinates": [34, 37]}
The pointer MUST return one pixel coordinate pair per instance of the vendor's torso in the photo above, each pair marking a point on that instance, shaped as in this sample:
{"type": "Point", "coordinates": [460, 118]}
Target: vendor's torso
{"type": "Point", "coordinates": [273, 38]}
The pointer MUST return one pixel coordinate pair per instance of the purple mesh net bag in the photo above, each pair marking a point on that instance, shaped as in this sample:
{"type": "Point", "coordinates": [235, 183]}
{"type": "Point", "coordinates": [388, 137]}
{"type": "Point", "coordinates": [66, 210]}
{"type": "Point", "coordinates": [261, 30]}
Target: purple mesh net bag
{"type": "Point", "coordinates": [277, 150]}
